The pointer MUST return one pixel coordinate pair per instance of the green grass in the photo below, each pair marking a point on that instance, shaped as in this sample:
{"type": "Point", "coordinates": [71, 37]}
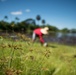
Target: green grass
{"type": "Point", "coordinates": [26, 58]}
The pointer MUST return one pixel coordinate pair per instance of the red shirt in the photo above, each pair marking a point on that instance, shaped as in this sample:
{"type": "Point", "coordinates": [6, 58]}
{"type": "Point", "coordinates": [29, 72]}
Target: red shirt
{"type": "Point", "coordinates": [39, 33]}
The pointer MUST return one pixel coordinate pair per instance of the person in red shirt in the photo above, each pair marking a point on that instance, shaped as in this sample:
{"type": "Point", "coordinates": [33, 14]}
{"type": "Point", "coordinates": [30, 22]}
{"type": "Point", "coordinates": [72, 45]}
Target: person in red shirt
{"type": "Point", "coordinates": [40, 32]}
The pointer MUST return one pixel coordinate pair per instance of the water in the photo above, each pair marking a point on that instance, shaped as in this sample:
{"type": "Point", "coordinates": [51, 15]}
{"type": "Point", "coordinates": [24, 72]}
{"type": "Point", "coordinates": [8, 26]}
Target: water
{"type": "Point", "coordinates": [62, 38]}
{"type": "Point", "coordinates": [66, 34]}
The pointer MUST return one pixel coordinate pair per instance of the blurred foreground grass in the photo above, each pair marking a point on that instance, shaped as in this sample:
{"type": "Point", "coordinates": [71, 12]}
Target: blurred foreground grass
{"type": "Point", "coordinates": [25, 58]}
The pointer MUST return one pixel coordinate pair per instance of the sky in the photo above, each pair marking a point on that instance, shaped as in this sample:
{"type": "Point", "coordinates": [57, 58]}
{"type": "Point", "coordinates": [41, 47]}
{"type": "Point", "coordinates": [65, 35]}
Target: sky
{"type": "Point", "coordinates": [59, 13]}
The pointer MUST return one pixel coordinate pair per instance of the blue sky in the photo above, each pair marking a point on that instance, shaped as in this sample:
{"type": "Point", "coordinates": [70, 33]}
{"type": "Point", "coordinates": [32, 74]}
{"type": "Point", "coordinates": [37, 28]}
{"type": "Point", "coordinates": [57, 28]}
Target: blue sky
{"type": "Point", "coordinates": [59, 13]}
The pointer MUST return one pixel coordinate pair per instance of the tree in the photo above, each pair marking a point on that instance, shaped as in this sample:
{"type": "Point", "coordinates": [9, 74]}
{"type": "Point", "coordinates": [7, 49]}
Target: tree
{"type": "Point", "coordinates": [65, 30]}
{"type": "Point", "coordinates": [30, 21]}
{"type": "Point", "coordinates": [12, 25]}
{"type": "Point", "coordinates": [17, 19]}
{"type": "Point", "coordinates": [73, 30]}
{"type": "Point", "coordinates": [52, 28]}
{"type": "Point", "coordinates": [43, 22]}
{"type": "Point", "coordinates": [6, 17]}
{"type": "Point", "coordinates": [38, 18]}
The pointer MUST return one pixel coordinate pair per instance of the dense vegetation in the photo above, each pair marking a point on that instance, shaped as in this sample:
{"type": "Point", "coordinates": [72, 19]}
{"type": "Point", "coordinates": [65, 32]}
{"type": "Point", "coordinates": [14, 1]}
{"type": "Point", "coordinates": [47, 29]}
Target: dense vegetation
{"type": "Point", "coordinates": [22, 57]}
{"type": "Point", "coordinates": [28, 25]}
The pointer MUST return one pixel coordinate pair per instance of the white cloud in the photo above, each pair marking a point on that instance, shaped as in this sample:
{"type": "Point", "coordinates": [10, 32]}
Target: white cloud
{"type": "Point", "coordinates": [16, 13]}
{"type": "Point", "coordinates": [27, 10]}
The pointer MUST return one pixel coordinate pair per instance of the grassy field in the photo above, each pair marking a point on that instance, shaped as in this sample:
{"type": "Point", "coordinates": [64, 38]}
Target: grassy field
{"type": "Point", "coordinates": [21, 57]}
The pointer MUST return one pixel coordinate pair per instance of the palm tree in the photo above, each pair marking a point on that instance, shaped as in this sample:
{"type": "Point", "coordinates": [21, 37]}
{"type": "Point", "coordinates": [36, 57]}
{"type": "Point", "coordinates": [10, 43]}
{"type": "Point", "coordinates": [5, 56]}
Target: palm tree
{"type": "Point", "coordinates": [6, 17]}
{"type": "Point", "coordinates": [43, 22]}
{"type": "Point", "coordinates": [38, 17]}
{"type": "Point", "coordinates": [17, 19]}
{"type": "Point", "coordinates": [12, 26]}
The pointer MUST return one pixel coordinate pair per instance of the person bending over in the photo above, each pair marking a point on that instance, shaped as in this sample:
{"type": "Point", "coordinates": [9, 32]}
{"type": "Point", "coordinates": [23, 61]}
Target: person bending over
{"type": "Point", "coordinates": [39, 32]}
